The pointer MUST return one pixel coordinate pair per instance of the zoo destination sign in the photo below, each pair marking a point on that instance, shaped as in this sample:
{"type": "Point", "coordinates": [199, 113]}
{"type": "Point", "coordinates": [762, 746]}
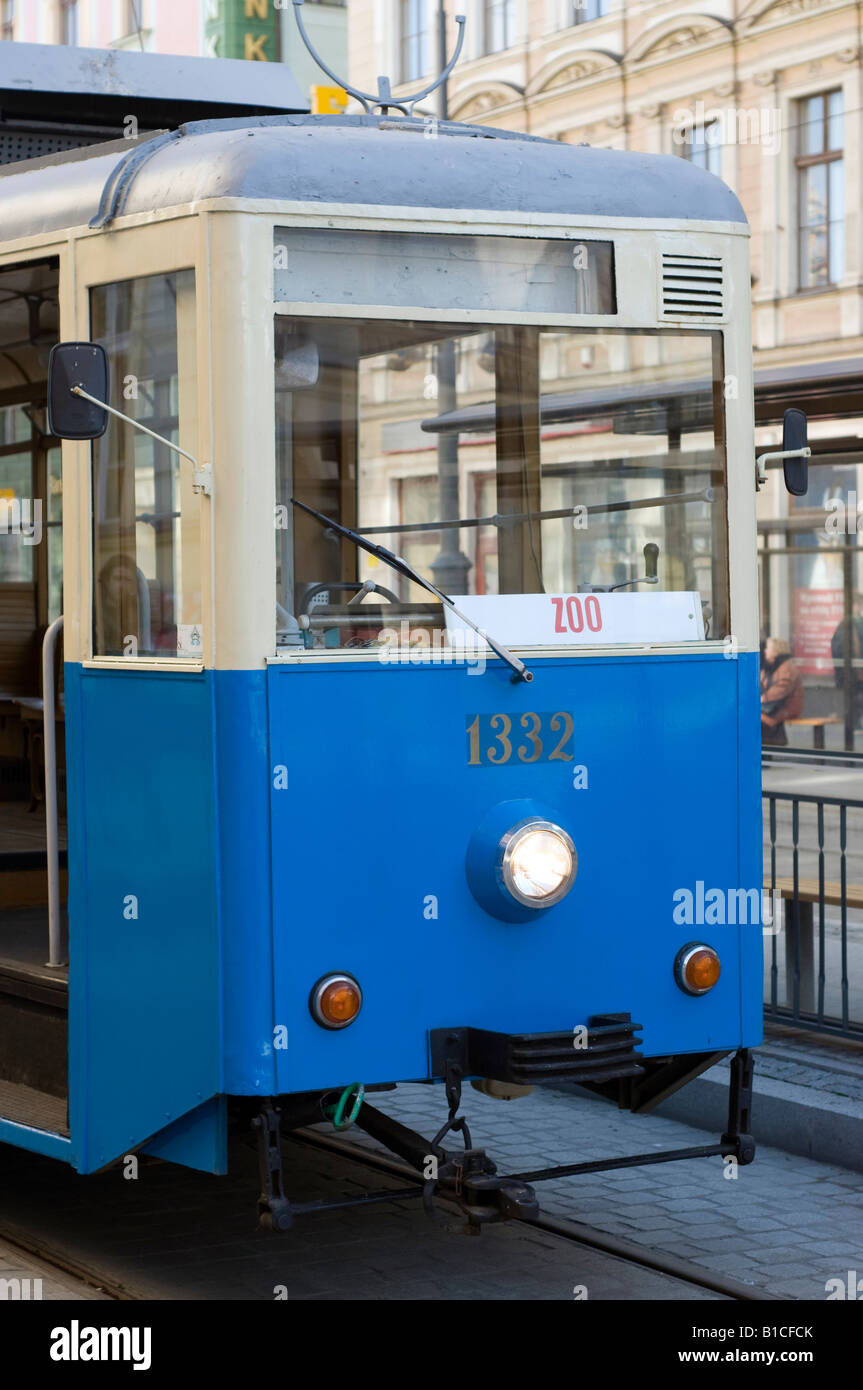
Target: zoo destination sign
{"type": "Point", "coordinates": [243, 29]}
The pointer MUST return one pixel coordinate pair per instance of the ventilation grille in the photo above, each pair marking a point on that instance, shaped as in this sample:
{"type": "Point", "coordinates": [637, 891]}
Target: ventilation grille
{"type": "Point", "coordinates": [16, 145]}
{"type": "Point", "coordinates": [692, 287]}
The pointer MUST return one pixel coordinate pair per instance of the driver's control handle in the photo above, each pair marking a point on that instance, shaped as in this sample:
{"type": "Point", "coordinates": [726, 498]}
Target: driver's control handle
{"type": "Point", "coordinates": [368, 588]}
{"type": "Point", "coordinates": [651, 556]}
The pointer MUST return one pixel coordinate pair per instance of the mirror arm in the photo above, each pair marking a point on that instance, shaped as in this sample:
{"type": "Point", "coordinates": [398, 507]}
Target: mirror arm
{"type": "Point", "coordinates": [763, 459]}
{"type": "Point", "coordinates": [202, 478]}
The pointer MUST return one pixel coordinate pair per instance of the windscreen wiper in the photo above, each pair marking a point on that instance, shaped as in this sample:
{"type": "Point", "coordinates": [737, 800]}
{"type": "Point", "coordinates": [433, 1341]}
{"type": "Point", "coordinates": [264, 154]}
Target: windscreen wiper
{"type": "Point", "coordinates": [518, 668]}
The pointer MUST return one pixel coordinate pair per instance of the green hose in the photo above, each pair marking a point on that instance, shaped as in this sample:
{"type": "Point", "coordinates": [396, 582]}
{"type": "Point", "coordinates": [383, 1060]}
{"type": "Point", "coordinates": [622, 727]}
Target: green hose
{"type": "Point", "coordinates": [336, 1113]}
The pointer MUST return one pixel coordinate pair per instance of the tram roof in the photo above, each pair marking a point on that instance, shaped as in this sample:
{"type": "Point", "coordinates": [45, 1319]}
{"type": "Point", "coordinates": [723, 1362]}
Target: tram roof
{"type": "Point", "coordinates": [56, 86]}
{"type": "Point", "coordinates": [366, 160]}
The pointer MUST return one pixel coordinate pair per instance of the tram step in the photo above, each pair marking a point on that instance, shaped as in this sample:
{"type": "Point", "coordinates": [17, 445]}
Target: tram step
{"type": "Point", "coordinates": [26, 1106]}
{"type": "Point", "coordinates": [33, 1035]}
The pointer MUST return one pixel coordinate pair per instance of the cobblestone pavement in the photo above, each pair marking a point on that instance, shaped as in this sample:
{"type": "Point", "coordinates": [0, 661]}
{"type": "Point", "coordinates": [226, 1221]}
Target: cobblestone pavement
{"type": "Point", "coordinates": [785, 1224]}
{"type": "Point", "coordinates": [173, 1234]}
{"type": "Point", "coordinates": [833, 1068]}
{"type": "Point", "coordinates": [24, 1277]}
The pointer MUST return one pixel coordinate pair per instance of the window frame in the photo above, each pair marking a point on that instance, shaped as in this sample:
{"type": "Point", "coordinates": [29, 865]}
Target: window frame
{"type": "Point", "coordinates": [729, 555]}
{"type": "Point", "coordinates": [7, 21]}
{"type": "Point", "coordinates": [164, 247]}
{"type": "Point", "coordinates": [688, 149]}
{"type": "Point", "coordinates": [507, 11]}
{"type": "Point", "coordinates": [583, 11]}
{"type": "Point", "coordinates": [802, 163]}
{"type": "Point", "coordinates": [69, 18]}
{"type": "Point", "coordinates": [414, 43]}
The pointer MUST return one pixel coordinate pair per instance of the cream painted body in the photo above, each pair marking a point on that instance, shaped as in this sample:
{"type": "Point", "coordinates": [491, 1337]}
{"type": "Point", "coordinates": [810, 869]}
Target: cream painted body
{"type": "Point", "coordinates": [231, 423]}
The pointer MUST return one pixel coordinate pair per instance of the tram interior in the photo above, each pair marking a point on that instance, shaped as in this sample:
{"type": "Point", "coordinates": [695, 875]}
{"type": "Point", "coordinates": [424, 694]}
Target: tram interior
{"type": "Point", "coordinates": [33, 1081]}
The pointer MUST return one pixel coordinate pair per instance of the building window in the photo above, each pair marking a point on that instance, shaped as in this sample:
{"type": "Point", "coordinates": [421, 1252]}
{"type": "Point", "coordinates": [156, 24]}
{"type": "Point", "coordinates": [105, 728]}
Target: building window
{"type": "Point", "coordinates": [69, 22]}
{"type": "Point", "coordinates": [7, 19]}
{"type": "Point", "coordinates": [821, 189]}
{"type": "Point", "coordinates": [701, 145]}
{"type": "Point", "coordinates": [498, 25]}
{"type": "Point", "coordinates": [584, 10]}
{"type": "Point", "coordinates": [414, 35]}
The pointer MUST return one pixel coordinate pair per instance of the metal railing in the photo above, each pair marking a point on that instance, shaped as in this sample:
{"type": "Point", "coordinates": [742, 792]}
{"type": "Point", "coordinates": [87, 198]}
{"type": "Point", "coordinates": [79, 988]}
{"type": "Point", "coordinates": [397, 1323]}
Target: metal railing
{"type": "Point", "coordinates": [52, 844]}
{"type": "Point", "coordinates": [813, 956]}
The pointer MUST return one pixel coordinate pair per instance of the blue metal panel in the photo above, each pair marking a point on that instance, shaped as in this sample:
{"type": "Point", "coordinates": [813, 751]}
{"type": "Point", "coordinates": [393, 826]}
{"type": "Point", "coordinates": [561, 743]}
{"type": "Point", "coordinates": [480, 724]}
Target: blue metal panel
{"type": "Point", "coordinates": [371, 831]}
{"type": "Point", "coordinates": [198, 1140]}
{"type": "Point", "coordinates": [144, 991]}
{"type": "Point", "coordinates": [244, 833]}
{"type": "Point", "coordinates": [751, 840]}
{"type": "Point", "coordinates": [38, 1141]}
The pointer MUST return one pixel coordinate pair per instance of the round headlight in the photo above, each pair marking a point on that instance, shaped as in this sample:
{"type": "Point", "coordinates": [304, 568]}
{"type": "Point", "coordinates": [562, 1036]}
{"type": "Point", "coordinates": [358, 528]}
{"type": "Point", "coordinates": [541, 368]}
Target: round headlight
{"type": "Point", "coordinates": [538, 863]}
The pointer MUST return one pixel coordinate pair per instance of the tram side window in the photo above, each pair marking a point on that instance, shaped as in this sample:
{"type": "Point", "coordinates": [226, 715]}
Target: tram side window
{"type": "Point", "coordinates": [498, 460]}
{"type": "Point", "coordinates": [146, 537]}
{"type": "Point", "coordinates": [30, 480]}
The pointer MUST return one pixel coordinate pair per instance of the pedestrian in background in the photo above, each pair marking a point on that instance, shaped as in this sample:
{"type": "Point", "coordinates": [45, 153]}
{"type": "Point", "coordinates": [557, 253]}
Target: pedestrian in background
{"type": "Point", "coordinates": [781, 691]}
{"type": "Point", "coordinates": [839, 643]}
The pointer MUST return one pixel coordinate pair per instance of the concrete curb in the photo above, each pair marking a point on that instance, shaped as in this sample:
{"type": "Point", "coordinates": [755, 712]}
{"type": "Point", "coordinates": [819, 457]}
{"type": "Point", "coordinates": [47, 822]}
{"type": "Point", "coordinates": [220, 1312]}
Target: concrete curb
{"type": "Point", "coordinates": [795, 1119]}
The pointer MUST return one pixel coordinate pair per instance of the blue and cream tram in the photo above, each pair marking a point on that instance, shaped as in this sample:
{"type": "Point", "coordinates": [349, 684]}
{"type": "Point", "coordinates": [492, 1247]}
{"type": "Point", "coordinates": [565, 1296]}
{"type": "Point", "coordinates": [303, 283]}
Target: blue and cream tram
{"type": "Point", "coordinates": [325, 828]}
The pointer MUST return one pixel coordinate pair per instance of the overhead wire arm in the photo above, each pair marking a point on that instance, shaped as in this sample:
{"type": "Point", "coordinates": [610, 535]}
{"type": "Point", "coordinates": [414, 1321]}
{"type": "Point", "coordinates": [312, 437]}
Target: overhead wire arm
{"type": "Point", "coordinates": [383, 101]}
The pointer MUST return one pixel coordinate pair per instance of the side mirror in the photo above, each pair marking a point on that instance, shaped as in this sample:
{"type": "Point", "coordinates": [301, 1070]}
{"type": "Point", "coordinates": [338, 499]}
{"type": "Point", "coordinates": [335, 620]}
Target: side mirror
{"type": "Point", "coordinates": [71, 416]}
{"type": "Point", "coordinates": [795, 439]}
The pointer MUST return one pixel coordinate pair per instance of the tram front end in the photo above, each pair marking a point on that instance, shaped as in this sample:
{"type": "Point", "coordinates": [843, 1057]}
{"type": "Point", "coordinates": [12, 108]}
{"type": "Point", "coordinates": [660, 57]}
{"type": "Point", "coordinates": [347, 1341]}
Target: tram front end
{"type": "Point", "coordinates": [449, 662]}
{"type": "Point", "coordinates": [512, 714]}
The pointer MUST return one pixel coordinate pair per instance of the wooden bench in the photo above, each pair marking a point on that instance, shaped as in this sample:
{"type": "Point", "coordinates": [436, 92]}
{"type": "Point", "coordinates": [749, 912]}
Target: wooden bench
{"type": "Point", "coordinates": [808, 891]}
{"type": "Point", "coordinates": [801, 925]}
{"type": "Point", "coordinates": [817, 723]}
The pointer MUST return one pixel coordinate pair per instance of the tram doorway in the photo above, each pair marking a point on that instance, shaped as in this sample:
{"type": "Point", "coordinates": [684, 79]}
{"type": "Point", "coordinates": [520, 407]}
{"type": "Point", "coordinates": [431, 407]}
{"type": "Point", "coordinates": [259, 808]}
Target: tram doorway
{"type": "Point", "coordinates": [33, 996]}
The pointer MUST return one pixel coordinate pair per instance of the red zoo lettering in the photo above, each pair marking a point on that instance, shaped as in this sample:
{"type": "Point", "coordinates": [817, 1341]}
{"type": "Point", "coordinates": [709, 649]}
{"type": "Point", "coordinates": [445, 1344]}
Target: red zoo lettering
{"type": "Point", "coordinates": [558, 615]}
{"type": "Point", "coordinates": [594, 613]}
{"type": "Point", "coordinates": [573, 607]}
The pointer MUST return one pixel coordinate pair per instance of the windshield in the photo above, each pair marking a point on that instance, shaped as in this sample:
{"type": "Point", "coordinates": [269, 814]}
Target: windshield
{"type": "Point", "coordinates": [498, 461]}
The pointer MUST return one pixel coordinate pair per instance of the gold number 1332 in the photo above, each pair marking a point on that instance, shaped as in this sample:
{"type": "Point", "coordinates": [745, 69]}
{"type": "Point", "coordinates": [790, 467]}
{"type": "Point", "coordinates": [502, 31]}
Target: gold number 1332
{"type": "Point", "coordinates": [544, 737]}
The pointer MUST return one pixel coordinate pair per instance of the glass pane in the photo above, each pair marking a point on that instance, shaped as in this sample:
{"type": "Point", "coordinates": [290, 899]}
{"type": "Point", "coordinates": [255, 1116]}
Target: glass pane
{"type": "Point", "coordinates": [498, 460]}
{"type": "Point", "coordinates": [14, 425]}
{"type": "Point", "coordinates": [714, 153]}
{"type": "Point", "coordinates": [837, 251]}
{"type": "Point", "coordinates": [814, 195]}
{"type": "Point", "coordinates": [499, 16]}
{"type": "Point", "coordinates": [837, 219]}
{"type": "Point", "coordinates": [812, 132]}
{"type": "Point", "coordinates": [813, 257]}
{"type": "Point", "coordinates": [836, 122]}
{"type": "Point", "coordinates": [437, 271]}
{"type": "Point", "coordinates": [55, 485]}
{"type": "Point", "coordinates": [20, 518]}
{"type": "Point", "coordinates": [146, 544]}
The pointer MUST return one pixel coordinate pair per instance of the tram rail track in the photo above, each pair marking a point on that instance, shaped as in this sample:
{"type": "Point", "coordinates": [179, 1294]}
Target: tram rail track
{"type": "Point", "coordinates": [40, 1250]}
{"type": "Point", "coordinates": [576, 1232]}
